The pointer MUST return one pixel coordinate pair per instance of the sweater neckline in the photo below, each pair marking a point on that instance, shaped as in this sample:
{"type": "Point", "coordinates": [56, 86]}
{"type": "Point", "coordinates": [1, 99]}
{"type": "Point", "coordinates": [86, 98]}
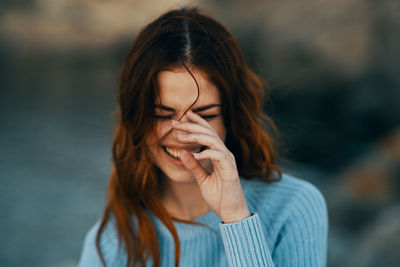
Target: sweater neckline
{"type": "Point", "coordinates": [209, 214]}
{"type": "Point", "coordinates": [208, 218]}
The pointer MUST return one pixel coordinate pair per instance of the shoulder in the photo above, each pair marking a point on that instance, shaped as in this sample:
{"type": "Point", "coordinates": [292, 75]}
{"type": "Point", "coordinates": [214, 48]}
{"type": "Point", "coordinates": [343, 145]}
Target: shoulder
{"type": "Point", "coordinates": [292, 211]}
{"type": "Point", "coordinates": [109, 246]}
{"type": "Point", "coordinates": [288, 197]}
{"type": "Point", "coordinates": [286, 188]}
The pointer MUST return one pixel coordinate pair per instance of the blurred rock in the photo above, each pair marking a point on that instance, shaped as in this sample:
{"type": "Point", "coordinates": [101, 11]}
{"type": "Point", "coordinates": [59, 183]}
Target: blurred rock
{"type": "Point", "coordinates": [379, 243]}
{"type": "Point", "coordinates": [374, 176]}
{"type": "Point", "coordinates": [369, 184]}
{"type": "Point", "coordinates": [363, 203]}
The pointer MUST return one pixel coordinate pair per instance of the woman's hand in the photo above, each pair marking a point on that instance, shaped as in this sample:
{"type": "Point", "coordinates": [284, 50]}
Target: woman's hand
{"type": "Point", "coordinates": [221, 188]}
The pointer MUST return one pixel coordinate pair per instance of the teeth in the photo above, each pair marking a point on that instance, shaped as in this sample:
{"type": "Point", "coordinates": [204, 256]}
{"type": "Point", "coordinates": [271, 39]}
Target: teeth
{"type": "Point", "coordinates": [177, 153]}
{"type": "Point", "coordinates": [174, 153]}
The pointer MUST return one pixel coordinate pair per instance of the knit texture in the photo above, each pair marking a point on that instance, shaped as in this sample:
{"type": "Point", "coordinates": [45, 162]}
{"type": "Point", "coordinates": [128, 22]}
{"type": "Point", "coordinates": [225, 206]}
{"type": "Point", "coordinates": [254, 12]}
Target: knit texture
{"type": "Point", "coordinates": [288, 226]}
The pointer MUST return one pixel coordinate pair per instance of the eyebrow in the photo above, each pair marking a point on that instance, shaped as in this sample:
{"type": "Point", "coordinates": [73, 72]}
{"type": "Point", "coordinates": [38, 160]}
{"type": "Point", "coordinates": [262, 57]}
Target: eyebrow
{"type": "Point", "coordinates": [202, 108]}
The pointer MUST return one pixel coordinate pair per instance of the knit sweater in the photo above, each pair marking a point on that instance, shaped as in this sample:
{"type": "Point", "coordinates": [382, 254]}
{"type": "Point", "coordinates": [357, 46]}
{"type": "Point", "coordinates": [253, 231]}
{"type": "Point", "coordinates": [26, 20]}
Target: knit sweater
{"type": "Point", "coordinates": [288, 226]}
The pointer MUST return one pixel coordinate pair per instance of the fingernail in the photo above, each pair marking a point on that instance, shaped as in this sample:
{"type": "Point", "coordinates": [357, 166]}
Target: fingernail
{"type": "Point", "coordinates": [174, 122]}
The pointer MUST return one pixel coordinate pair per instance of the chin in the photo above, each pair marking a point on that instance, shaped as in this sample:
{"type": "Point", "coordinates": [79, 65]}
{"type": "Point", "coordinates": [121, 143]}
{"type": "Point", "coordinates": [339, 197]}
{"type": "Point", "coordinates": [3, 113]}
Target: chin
{"type": "Point", "coordinates": [184, 180]}
{"type": "Point", "coordinates": [182, 176]}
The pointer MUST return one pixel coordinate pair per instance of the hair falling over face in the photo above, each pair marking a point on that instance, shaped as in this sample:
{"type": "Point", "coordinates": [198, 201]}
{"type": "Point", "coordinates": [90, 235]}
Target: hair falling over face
{"type": "Point", "coordinates": [187, 39]}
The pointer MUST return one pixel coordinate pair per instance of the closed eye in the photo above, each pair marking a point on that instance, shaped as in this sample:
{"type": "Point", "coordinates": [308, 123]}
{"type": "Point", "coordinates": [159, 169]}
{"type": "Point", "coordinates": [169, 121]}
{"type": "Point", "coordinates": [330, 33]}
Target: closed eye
{"type": "Point", "coordinates": [206, 117]}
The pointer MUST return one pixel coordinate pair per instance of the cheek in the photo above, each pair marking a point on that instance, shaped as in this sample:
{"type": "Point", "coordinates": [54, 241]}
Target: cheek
{"type": "Point", "coordinates": [162, 129]}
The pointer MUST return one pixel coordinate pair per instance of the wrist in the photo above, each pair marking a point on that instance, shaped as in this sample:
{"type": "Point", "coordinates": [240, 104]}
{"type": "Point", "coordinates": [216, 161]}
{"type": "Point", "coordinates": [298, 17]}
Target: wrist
{"type": "Point", "coordinates": [237, 216]}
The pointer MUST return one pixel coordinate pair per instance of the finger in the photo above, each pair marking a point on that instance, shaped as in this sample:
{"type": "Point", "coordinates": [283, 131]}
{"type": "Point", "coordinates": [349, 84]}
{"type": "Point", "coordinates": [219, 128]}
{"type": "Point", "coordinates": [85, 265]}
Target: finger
{"type": "Point", "coordinates": [213, 142]}
{"type": "Point", "coordinates": [193, 166]}
{"type": "Point", "coordinates": [221, 161]}
{"type": "Point", "coordinates": [191, 127]}
{"type": "Point", "coordinates": [210, 154]}
{"type": "Point", "coordinates": [196, 118]}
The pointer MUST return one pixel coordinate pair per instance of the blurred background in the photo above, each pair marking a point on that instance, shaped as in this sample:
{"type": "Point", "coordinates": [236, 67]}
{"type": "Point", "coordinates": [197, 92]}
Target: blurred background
{"type": "Point", "coordinates": [333, 69]}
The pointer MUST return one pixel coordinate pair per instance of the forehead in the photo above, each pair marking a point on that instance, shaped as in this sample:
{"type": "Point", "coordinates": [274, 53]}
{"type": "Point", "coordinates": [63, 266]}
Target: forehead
{"type": "Point", "coordinates": [178, 88]}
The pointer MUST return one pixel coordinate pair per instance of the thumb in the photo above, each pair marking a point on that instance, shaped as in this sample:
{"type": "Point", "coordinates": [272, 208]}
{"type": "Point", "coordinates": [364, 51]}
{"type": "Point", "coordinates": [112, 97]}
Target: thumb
{"type": "Point", "coordinates": [193, 166]}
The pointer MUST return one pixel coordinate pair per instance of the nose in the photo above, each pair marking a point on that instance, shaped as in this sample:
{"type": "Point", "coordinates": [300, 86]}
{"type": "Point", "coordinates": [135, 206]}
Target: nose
{"type": "Point", "coordinates": [176, 131]}
{"type": "Point", "coordinates": [184, 118]}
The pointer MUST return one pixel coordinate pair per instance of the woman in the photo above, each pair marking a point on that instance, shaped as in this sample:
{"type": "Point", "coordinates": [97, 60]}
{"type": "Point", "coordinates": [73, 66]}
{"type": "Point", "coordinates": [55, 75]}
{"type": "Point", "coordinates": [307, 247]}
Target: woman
{"type": "Point", "coordinates": [194, 181]}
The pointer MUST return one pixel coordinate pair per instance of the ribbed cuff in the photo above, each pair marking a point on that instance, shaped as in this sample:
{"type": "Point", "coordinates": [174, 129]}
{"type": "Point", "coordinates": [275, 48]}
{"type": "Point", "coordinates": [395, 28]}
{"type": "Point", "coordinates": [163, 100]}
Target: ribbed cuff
{"type": "Point", "coordinates": [251, 214]}
{"type": "Point", "coordinates": [245, 243]}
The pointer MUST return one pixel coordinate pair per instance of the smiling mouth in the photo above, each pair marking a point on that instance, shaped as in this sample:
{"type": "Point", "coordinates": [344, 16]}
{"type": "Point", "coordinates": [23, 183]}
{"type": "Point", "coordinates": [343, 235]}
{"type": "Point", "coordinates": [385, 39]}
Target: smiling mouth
{"type": "Point", "coordinates": [176, 153]}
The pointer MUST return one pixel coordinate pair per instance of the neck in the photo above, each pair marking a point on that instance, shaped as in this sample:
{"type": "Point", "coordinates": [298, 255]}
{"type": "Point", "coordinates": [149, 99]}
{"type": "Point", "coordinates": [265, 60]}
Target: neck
{"type": "Point", "coordinates": [184, 200]}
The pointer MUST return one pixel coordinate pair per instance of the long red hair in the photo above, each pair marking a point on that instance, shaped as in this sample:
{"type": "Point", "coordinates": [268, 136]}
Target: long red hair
{"type": "Point", "coordinates": [178, 38]}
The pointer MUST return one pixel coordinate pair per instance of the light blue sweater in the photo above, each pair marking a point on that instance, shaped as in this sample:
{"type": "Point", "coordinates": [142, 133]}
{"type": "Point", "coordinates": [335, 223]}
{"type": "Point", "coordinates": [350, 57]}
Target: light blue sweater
{"type": "Point", "coordinates": [288, 227]}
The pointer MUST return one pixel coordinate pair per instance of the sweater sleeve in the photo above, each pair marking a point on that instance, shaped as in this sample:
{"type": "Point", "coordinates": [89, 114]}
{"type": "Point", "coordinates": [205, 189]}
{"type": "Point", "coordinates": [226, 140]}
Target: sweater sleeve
{"type": "Point", "coordinates": [245, 243]}
{"type": "Point", "coordinates": [301, 241]}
